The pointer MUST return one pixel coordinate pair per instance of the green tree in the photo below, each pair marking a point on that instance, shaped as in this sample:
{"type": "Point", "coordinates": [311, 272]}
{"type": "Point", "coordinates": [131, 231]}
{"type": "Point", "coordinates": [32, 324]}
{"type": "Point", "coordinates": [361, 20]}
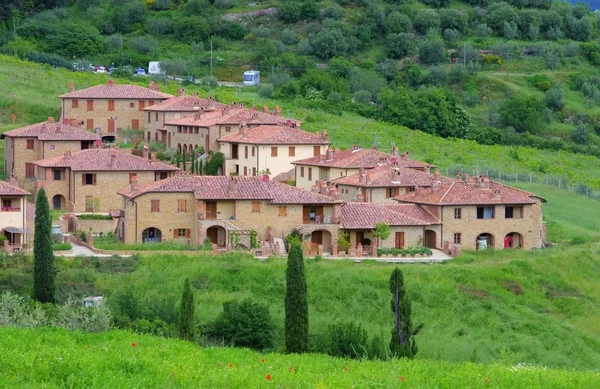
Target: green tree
{"type": "Point", "coordinates": [554, 98]}
{"type": "Point", "coordinates": [432, 50]}
{"type": "Point", "coordinates": [184, 162]}
{"type": "Point", "coordinates": [522, 112]}
{"type": "Point", "coordinates": [296, 303]}
{"type": "Point", "coordinates": [178, 159]}
{"type": "Point", "coordinates": [453, 19]}
{"type": "Point", "coordinates": [44, 273]}
{"type": "Point", "coordinates": [187, 324]}
{"type": "Point", "coordinates": [397, 22]}
{"type": "Point", "coordinates": [403, 344]}
{"type": "Point", "coordinates": [399, 45]}
{"type": "Point", "coordinates": [426, 20]}
{"type": "Point", "coordinates": [381, 232]}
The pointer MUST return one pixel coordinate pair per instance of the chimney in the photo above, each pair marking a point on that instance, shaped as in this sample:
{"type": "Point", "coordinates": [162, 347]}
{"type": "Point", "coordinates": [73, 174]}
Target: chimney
{"type": "Point", "coordinates": [496, 195]}
{"type": "Point", "coordinates": [321, 158]}
{"type": "Point", "coordinates": [374, 148]}
{"type": "Point", "coordinates": [111, 83]}
{"type": "Point", "coordinates": [436, 175]}
{"type": "Point", "coordinates": [67, 156]}
{"type": "Point", "coordinates": [484, 182]}
{"type": "Point", "coordinates": [395, 151]}
{"type": "Point", "coordinates": [324, 135]}
{"type": "Point", "coordinates": [467, 177]}
{"type": "Point", "coordinates": [243, 131]}
{"type": "Point", "coordinates": [232, 186]}
{"type": "Point", "coordinates": [66, 121]}
{"type": "Point", "coordinates": [254, 108]}
{"type": "Point", "coordinates": [265, 108]}
{"type": "Point", "coordinates": [405, 155]}
{"type": "Point", "coordinates": [157, 87]}
{"type": "Point", "coordinates": [367, 178]}
{"type": "Point", "coordinates": [13, 180]}
{"type": "Point", "coordinates": [329, 153]}
{"type": "Point", "coordinates": [57, 129]}
{"type": "Point", "coordinates": [74, 123]}
{"type": "Point", "coordinates": [355, 147]}
{"type": "Point", "coordinates": [145, 150]}
{"type": "Point", "coordinates": [361, 197]}
{"type": "Point", "coordinates": [113, 158]}
{"type": "Point", "coordinates": [277, 111]}
{"type": "Point", "coordinates": [198, 115]}
{"type": "Point", "coordinates": [288, 123]}
{"type": "Point", "coordinates": [294, 124]}
{"type": "Point", "coordinates": [134, 183]}
{"type": "Point", "coordinates": [459, 176]}
{"type": "Point", "coordinates": [151, 85]}
{"type": "Point", "coordinates": [153, 156]}
{"type": "Point", "coordinates": [318, 133]}
{"type": "Point", "coordinates": [324, 189]}
{"type": "Point", "coordinates": [180, 92]}
{"type": "Point", "coordinates": [396, 176]}
{"type": "Point", "coordinates": [71, 87]}
{"type": "Point", "coordinates": [50, 119]}
{"type": "Point", "coordinates": [225, 111]}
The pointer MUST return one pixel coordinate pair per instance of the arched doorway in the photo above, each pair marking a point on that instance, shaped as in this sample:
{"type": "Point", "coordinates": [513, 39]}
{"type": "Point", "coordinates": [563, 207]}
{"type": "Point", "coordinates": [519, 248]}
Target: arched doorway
{"type": "Point", "coordinates": [169, 140]}
{"type": "Point", "coordinates": [108, 138]}
{"type": "Point", "coordinates": [58, 202]}
{"type": "Point", "coordinates": [217, 235]}
{"type": "Point", "coordinates": [179, 148]}
{"type": "Point", "coordinates": [151, 235]}
{"type": "Point", "coordinates": [320, 237]}
{"type": "Point", "coordinates": [513, 240]}
{"type": "Point", "coordinates": [185, 149]}
{"type": "Point", "coordinates": [430, 239]}
{"type": "Point", "coordinates": [484, 241]}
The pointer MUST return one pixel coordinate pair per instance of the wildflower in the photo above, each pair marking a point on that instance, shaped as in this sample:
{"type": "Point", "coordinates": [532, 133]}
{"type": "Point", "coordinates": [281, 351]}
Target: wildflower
{"type": "Point", "coordinates": [230, 365]}
{"type": "Point", "coordinates": [486, 380]}
{"type": "Point", "coordinates": [268, 377]}
{"type": "Point", "coordinates": [262, 360]}
{"type": "Point", "coordinates": [402, 378]}
{"type": "Point", "coordinates": [345, 369]}
{"type": "Point", "coordinates": [88, 346]}
{"type": "Point", "coordinates": [292, 369]}
{"type": "Point", "coordinates": [133, 344]}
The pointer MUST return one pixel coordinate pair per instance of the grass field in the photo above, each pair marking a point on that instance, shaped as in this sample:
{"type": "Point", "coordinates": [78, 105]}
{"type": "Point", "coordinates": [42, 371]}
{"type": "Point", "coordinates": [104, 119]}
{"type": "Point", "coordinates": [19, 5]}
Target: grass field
{"type": "Point", "coordinates": [121, 359]}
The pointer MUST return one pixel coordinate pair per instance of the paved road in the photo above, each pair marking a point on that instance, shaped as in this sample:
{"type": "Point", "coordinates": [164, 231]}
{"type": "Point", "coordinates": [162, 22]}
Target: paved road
{"type": "Point", "coordinates": [82, 251]}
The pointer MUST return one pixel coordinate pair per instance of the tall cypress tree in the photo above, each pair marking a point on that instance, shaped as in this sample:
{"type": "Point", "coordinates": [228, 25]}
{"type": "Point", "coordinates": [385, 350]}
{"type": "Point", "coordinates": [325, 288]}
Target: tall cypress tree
{"type": "Point", "coordinates": [184, 162]}
{"type": "Point", "coordinates": [296, 303]}
{"type": "Point", "coordinates": [187, 325]}
{"type": "Point", "coordinates": [403, 344]}
{"type": "Point", "coordinates": [178, 159]}
{"type": "Point", "coordinates": [43, 257]}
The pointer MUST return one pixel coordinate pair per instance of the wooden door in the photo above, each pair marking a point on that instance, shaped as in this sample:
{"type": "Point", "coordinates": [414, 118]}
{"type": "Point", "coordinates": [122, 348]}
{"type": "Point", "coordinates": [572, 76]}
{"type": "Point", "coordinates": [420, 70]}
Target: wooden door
{"type": "Point", "coordinates": [111, 125]}
{"type": "Point", "coordinates": [317, 237]}
{"type": "Point", "coordinates": [213, 234]}
{"type": "Point", "coordinates": [400, 240]}
{"type": "Point", "coordinates": [306, 215]}
{"type": "Point", "coordinates": [319, 213]}
{"type": "Point", "coordinates": [211, 210]}
{"type": "Point", "coordinates": [360, 236]}
{"type": "Point", "coordinates": [135, 124]}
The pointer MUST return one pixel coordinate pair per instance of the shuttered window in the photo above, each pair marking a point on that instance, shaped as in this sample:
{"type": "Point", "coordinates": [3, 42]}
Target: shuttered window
{"type": "Point", "coordinates": [301, 171]}
{"type": "Point", "coordinates": [246, 152]}
{"type": "Point", "coordinates": [132, 177]}
{"type": "Point", "coordinates": [292, 151]}
{"type": "Point", "coordinates": [135, 124]}
{"type": "Point", "coordinates": [88, 179]}
{"type": "Point", "coordinates": [256, 206]}
{"type": "Point", "coordinates": [274, 151]}
{"type": "Point", "coordinates": [75, 103]}
{"type": "Point", "coordinates": [90, 105]}
{"type": "Point", "coordinates": [111, 105]}
{"type": "Point", "coordinates": [154, 205]}
{"type": "Point", "coordinates": [181, 205]}
{"type": "Point", "coordinates": [283, 210]}
{"type": "Point", "coordinates": [141, 105]}
{"type": "Point", "coordinates": [182, 233]}
{"type": "Point", "coordinates": [89, 124]}
{"type": "Point", "coordinates": [310, 174]}
{"type": "Point", "coordinates": [29, 170]}
{"type": "Point", "coordinates": [316, 151]}
{"type": "Point", "coordinates": [30, 144]}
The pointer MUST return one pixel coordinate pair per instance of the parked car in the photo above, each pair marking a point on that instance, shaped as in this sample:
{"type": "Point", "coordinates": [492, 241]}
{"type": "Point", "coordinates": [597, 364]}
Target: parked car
{"type": "Point", "coordinates": [140, 72]}
{"type": "Point", "coordinates": [111, 69]}
{"type": "Point", "coordinates": [100, 69]}
{"type": "Point", "coordinates": [56, 229]}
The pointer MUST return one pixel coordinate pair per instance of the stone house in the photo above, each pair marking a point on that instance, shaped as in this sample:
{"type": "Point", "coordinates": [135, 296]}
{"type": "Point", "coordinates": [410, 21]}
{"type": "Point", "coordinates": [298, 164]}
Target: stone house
{"type": "Point", "coordinates": [88, 180]}
{"type": "Point", "coordinates": [23, 146]}
{"type": "Point", "coordinates": [383, 183]}
{"type": "Point", "coordinates": [174, 108]}
{"type": "Point", "coordinates": [478, 213]}
{"type": "Point", "coordinates": [269, 149]}
{"type": "Point", "coordinates": [226, 210]}
{"type": "Point", "coordinates": [14, 219]}
{"type": "Point", "coordinates": [408, 223]}
{"type": "Point", "coordinates": [110, 107]}
{"type": "Point", "coordinates": [335, 164]}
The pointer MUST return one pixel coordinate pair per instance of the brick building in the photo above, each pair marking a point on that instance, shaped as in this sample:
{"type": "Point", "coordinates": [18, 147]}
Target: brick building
{"type": "Point", "coordinates": [88, 180]}
{"type": "Point", "coordinates": [190, 208]}
{"type": "Point", "coordinates": [23, 146]}
{"type": "Point", "coordinates": [14, 219]}
{"type": "Point", "coordinates": [110, 107]}
{"type": "Point", "coordinates": [382, 183]}
{"type": "Point", "coordinates": [335, 164]}
{"type": "Point", "coordinates": [272, 149]}
{"type": "Point", "coordinates": [478, 213]}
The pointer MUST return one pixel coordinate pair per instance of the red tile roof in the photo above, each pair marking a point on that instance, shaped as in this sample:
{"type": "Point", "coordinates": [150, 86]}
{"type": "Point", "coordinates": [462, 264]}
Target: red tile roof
{"type": "Point", "coordinates": [239, 188]}
{"type": "Point", "coordinates": [389, 176]}
{"type": "Point", "coordinates": [51, 130]}
{"type": "Point", "coordinates": [8, 189]}
{"type": "Point", "coordinates": [104, 160]}
{"type": "Point", "coordinates": [229, 116]}
{"type": "Point", "coordinates": [285, 176]}
{"type": "Point", "coordinates": [367, 215]}
{"type": "Point", "coordinates": [275, 135]}
{"type": "Point", "coordinates": [357, 157]}
{"type": "Point", "coordinates": [469, 193]}
{"type": "Point", "coordinates": [185, 104]}
{"type": "Point", "coordinates": [114, 91]}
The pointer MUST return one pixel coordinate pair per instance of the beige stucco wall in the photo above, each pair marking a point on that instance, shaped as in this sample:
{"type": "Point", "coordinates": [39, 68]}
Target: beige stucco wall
{"type": "Point", "coordinates": [530, 226]}
{"type": "Point", "coordinates": [317, 172]}
{"type": "Point", "coordinates": [413, 236]}
{"type": "Point", "coordinates": [54, 148]}
{"type": "Point", "coordinates": [13, 218]}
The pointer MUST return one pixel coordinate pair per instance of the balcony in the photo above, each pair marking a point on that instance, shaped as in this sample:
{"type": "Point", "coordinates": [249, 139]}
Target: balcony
{"type": "Point", "coordinates": [11, 209]}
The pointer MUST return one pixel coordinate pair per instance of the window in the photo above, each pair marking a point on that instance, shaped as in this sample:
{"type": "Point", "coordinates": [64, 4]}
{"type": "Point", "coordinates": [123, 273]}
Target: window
{"type": "Point", "coordinates": [89, 124]}
{"type": "Point", "coordinates": [156, 117]}
{"type": "Point", "coordinates": [111, 105]}
{"type": "Point", "coordinates": [154, 205]}
{"type": "Point", "coordinates": [292, 151]}
{"type": "Point", "coordinates": [458, 213]}
{"type": "Point", "coordinates": [316, 151]}
{"type": "Point", "coordinates": [513, 212]}
{"type": "Point", "coordinates": [227, 128]}
{"type": "Point", "coordinates": [148, 117]}
{"type": "Point", "coordinates": [283, 210]}
{"type": "Point", "coordinates": [52, 147]}
{"type": "Point", "coordinates": [179, 129]}
{"type": "Point", "coordinates": [90, 105]}
{"type": "Point", "coordinates": [181, 233]}
{"type": "Point", "coordinates": [135, 124]}
{"type": "Point", "coordinates": [301, 171]}
{"type": "Point", "coordinates": [274, 151]}
{"type": "Point", "coordinates": [162, 175]}
{"type": "Point", "coordinates": [57, 174]}
{"type": "Point", "coordinates": [181, 205]}
{"type": "Point", "coordinates": [256, 206]}
{"type": "Point", "coordinates": [132, 177]}
{"type": "Point", "coordinates": [197, 131]}
{"type": "Point", "coordinates": [246, 152]}
{"type": "Point", "coordinates": [88, 179]}
{"type": "Point", "coordinates": [253, 151]}
{"type": "Point", "coordinates": [30, 144]}
{"type": "Point", "coordinates": [457, 237]}
{"type": "Point", "coordinates": [390, 192]}
{"type": "Point", "coordinates": [485, 212]}
{"type": "Point", "coordinates": [150, 103]}
{"type": "Point", "coordinates": [310, 174]}
{"type": "Point", "coordinates": [410, 189]}
{"type": "Point", "coordinates": [131, 105]}
{"type": "Point", "coordinates": [29, 170]}
{"type": "Point", "coordinates": [253, 171]}
{"type": "Point", "coordinates": [74, 103]}
{"type": "Point", "coordinates": [141, 105]}
{"type": "Point", "coordinates": [245, 170]}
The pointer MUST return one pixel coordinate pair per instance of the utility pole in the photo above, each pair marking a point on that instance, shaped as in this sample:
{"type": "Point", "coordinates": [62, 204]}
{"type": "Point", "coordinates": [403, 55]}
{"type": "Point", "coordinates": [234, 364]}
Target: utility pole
{"type": "Point", "coordinates": [211, 59]}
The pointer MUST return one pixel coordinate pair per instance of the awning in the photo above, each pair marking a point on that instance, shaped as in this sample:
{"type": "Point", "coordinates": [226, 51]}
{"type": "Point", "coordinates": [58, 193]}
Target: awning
{"type": "Point", "coordinates": [15, 230]}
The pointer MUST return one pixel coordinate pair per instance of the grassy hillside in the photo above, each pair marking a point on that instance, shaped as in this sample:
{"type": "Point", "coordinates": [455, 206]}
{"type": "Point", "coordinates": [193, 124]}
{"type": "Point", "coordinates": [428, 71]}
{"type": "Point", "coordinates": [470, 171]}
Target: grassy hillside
{"type": "Point", "coordinates": [111, 360]}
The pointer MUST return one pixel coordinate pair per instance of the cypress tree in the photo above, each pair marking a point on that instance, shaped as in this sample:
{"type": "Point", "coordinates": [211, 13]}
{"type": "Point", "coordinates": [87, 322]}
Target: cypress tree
{"type": "Point", "coordinates": [403, 344]}
{"type": "Point", "coordinates": [193, 167]}
{"type": "Point", "coordinates": [296, 303]}
{"type": "Point", "coordinates": [43, 257]}
{"type": "Point", "coordinates": [187, 325]}
{"type": "Point", "coordinates": [178, 159]}
{"type": "Point", "coordinates": [184, 163]}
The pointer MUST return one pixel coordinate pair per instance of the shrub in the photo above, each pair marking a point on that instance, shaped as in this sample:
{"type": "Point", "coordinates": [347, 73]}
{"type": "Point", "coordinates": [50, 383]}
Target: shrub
{"type": "Point", "coordinates": [16, 311]}
{"type": "Point", "coordinates": [265, 90]}
{"type": "Point", "coordinates": [61, 247]}
{"type": "Point", "coordinates": [399, 45]}
{"type": "Point", "coordinates": [155, 327]}
{"type": "Point", "coordinates": [94, 217]}
{"type": "Point", "coordinates": [347, 340]}
{"type": "Point", "coordinates": [73, 315]}
{"type": "Point", "coordinates": [406, 251]}
{"type": "Point", "coordinates": [244, 324]}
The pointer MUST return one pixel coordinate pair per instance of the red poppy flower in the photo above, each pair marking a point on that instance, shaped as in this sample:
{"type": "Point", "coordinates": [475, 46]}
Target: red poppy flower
{"type": "Point", "coordinates": [231, 365]}
{"type": "Point", "coordinates": [486, 380]}
{"type": "Point", "coordinates": [133, 344]}
{"type": "Point", "coordinates": [402, 379]}
{"type": "Point", "coordinates": [88, 346]}
{"type": "Point", "coordinates": [345, 369]}
{"type": "Point", "coordinates": [268, 377]}
{"type": "Point", "coordinates": [292, 369]}
{"type": "Point", "coordinates": [262, 360]}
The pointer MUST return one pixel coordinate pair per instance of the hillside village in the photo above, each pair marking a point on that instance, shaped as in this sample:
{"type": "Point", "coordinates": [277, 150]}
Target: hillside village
{"type": "Point", "coordinates": [275, 179]}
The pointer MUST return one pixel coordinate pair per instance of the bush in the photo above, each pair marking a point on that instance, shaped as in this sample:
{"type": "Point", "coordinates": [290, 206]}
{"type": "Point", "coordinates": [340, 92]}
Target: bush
{"type": "Point", "coordinates": [244, 324]}
{"type": "Point", "coordinates": [94, 217]}
{"type": "Point", "coordinates": [61, 247]}
{"type": "Point", "coordinates": [73, 315]}
{"type": "Point", "coordinates": [265, 90]}
{"type": "Point", "coordinates": [17, 311]}
{"type": "Point", "coordinates": [346, 340]}
{"type": "Point", "coordinates": [409, 251]}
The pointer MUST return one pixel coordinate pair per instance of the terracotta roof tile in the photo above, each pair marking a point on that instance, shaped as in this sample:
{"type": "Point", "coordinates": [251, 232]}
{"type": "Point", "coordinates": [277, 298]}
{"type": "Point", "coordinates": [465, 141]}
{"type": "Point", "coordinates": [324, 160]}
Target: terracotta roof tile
{"type": "Point", "coordinates": [389, 176]}
{"type": "Point", "coordinates": [357, 157]}
{"type": "Point", "coordinates": [285, 176]}
{"type": "Point", "coordinates": [8, 189]}
{"type": "Point", "coordinates": [185, 104]}
{"type": "Point", "coordinates": [102, 160]}
{"type": "Point", "coordinates": [367, 215]}
{"type": "Point", "coordinates": [275, 135]}
{"type": "Point", "coordinates": [240, 188]}
{"type": "Point", "coordinates": [51, 130]}
{"type": "Point", "coordinates": [114, 91]}
{"type": "Point", "coordinates": [229, 116]}
{"type": "Point", "coordinates": [469, 193]}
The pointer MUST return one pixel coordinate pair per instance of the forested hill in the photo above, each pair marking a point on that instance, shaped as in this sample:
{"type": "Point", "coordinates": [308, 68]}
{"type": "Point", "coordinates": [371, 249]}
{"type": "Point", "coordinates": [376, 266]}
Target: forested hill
{"type": "Point", "coordinates": [521, 72]}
